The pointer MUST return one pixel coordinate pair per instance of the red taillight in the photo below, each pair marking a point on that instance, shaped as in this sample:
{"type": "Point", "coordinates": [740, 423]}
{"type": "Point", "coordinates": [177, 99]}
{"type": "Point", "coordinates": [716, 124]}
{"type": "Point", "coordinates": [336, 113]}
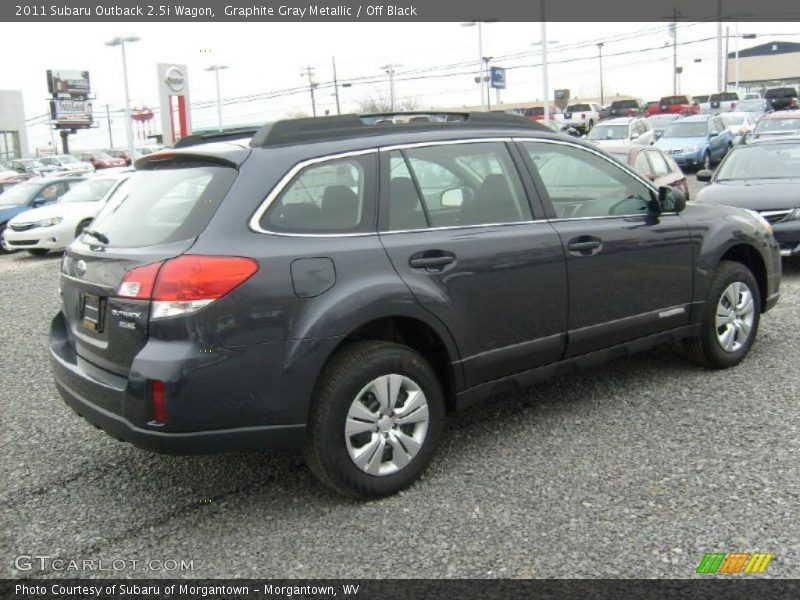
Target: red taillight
{"type": "Point", "coordinates": [139, 282]}
{"type": "Point", "coordinates": [583, 116]}
{"type": "Point", "coordinates": [159, 405]}
{"type": "Point", "coordinates": [202, 277]}
{"type": "Point", "coordinates": [187, 283]}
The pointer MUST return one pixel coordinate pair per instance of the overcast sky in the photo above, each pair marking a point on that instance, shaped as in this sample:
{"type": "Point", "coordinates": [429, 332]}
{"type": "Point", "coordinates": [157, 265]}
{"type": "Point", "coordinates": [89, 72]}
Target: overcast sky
{"type": "Point", "coordinates": [266, 58]}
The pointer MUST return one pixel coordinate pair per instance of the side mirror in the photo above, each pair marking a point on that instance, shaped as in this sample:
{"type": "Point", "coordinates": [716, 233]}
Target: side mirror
{"type": "Point", "coordinates": [659, 134]}
{"type": "Point", "coordinates": [635, 136]}
{"type": "Point", "coordinates": [671, 199]}
{"type": "Point", "coordinates": [704, 175]}
{"type": "Point", "coordinates": [39, 201]}
{"type": "Point", "coordinates": [455, 197]}
{"type": "Point", "coordinates": [713, 134]}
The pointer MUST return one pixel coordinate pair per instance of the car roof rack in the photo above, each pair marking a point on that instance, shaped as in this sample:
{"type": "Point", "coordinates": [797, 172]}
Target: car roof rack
{"type": "Point", "coordinates": [216, 136]}
{"type": "Point", "coordinates": [315, 129]}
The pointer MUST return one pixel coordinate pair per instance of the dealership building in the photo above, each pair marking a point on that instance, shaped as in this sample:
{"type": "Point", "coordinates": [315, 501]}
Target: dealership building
{"type": "Point", "coordinates": [774, 64]}
{"type": "Point", "coordinates": [13, 133]}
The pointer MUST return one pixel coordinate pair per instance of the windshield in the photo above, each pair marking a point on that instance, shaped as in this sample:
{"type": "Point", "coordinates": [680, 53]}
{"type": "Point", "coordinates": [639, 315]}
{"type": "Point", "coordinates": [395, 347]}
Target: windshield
{"type": "Point", "coordinates": [731, 120]}
{"type": "Point", "coordinates": [163, 206]}
{"type": "Point", "coordinates": [700, 99]}
{"type": "Point", "coordinates": [751, 105]}
{"type": "Point", "coordinates": [661, 120]}
{"type": "Point", "coordinates": [31, 163]}
{"type": "Point", "coordinates": [686, 130]}
{"type": "Point", "coordinates": [90, 190]}
{"type": "Point", "coordinates": [100, 155]}
{"type": "Point", "coordinates": [22, 193]}
{"type": "Point", "coordinates": [68, 160]}
{"type": "Point", "coordinates": [761, 161]}
{"type": "Point", "coordinates": [624, 104]}
{"type": "Point", "coordinates": [609, 132]}
{"type": "Point", "coordinates": [778, 125]}
{"type": "Point", "coordinates": [534, 111]}
{"type": "Point", "coordinates": [670, 100]}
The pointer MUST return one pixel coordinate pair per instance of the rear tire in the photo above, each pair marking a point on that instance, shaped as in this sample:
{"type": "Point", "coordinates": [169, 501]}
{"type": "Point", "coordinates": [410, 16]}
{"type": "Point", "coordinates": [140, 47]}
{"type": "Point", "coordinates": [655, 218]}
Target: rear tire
{"type": "Point", "coordinates": [2, 246]}
{"type": "Point", "coordinates": [731, 318]}
{"type": "Point", "coordinates": [369, 445]}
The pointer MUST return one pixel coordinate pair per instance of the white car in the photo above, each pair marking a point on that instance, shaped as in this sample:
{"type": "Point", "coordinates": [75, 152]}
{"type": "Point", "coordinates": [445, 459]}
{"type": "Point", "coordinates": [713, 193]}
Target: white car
{"type": "Point", "coordinates": [623, 131]}
{"type": "Point", "coordinates": [54, 226]}
{"type": "Point", "coordinates": [66, 164]}
{"type": "Point", "coordinates": [582, 115]}
{"type": "Point", "coordinates": [739, 124]}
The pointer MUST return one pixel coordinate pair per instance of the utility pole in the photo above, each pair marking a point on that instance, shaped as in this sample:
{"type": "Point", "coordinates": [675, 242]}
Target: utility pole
{"type": "Point", "coordinates": [727, 41]}
{"type": "Point", "coordinates": [390, 71]}
{"type": "Point", "coordinates": [600, 51]}
{"type": "Point", "coordinates": [336, 86]}
{"type": "Point", "coordinates": [545, 88]}
{"type": "Point", "coordinates": [674, 52]}
{"type": "Point", "coordinates": [108, 120]}
{"type": "Point", "coordinates": [487, 78]}
{"type": "Point", "coordinates": [719, 47]}
{"type": "Point", "coordinates": [309, 72]}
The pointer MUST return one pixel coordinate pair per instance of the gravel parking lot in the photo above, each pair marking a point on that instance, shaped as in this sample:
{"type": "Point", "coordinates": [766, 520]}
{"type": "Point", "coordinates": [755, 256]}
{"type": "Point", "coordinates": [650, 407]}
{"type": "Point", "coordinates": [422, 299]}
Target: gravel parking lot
{"type": "Point", "coordinates": [634, 469]}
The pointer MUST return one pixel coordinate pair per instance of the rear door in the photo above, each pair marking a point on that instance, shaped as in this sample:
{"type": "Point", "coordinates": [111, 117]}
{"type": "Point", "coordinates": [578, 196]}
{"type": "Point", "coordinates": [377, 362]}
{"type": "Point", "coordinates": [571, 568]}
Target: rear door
{"type": "Point", "coordinates": [155, 215]}
{"type": "Point", "coordinates": [458, 226]}
{"type": "Point", "coordinates": [630, 273]}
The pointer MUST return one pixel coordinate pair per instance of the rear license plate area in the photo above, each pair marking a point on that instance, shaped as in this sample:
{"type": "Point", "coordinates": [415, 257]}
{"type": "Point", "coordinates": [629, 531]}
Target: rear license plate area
{"type": "Point", "coordinates": [92, 308]}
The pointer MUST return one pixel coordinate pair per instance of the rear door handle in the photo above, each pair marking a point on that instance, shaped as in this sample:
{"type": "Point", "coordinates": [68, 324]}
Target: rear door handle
{"type": "Point", "coordinates": [431, 259]}
{"type": "Point", "coordinates": [585, 245]}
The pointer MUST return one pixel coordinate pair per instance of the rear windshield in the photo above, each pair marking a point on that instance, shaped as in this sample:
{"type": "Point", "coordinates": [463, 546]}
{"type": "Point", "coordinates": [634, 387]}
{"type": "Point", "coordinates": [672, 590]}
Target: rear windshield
{"type": "Point", "coordinates": [700, 99]}
{"type": "Point", "coordinates": [670, 100]}
{"type": "Point", "coordinates": [536, 110]}
{"type": "Point", "coordinates": [782, 93]}
{"type": "Point", "coordinates": [163, 206]}
{"type": "Point", "coordinates": [686, 129]}
{"type": "Point", "coordinates": [609, 132]}
{"type": "Point", "coordinates": [724, 97]}
{"type": "Point", "coordinates": [624, 104]}
{"type": "Point", "coordinates": [578, 107]}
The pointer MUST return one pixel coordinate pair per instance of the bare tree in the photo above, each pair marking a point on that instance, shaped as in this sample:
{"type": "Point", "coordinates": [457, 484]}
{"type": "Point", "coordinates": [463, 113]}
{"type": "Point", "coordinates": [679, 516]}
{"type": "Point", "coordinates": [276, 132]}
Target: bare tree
{"type": "Point", "coordinates": [379, 102]}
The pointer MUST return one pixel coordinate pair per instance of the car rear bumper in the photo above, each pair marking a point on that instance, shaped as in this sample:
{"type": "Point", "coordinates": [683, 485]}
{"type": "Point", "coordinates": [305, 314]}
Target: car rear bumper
{"type": "Point", "coordinates": [121, 407]}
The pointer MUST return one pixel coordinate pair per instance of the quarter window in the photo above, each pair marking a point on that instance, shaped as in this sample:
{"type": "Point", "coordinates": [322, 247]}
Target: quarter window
{"type": "Point", "coordinates": [335, 196]}
{"type": "Point", "coordinates": [455, 185]}
{"type": "Point", "coordinates": [582, 184]}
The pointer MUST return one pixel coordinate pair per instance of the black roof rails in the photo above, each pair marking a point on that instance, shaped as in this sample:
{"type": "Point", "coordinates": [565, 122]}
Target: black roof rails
{"type": "Point", "coordinates": [315, 129]}
{"type": "Point", "coordinates": [216, 136]}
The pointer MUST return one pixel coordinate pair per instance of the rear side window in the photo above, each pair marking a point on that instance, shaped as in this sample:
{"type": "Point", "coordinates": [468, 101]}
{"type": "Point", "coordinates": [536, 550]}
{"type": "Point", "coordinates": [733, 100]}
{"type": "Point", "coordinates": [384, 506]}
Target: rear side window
{"type": "Point", "coordinates": [455, 185]}
{"type": "Point", "coordinates": [163, 206]}
{"type": "Point", "coordinates": [334, 196]}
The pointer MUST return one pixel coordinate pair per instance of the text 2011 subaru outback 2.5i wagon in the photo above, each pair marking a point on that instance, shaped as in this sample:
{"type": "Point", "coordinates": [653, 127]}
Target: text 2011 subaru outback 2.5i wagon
{"type": "Point", "coordinates": [339, 284]}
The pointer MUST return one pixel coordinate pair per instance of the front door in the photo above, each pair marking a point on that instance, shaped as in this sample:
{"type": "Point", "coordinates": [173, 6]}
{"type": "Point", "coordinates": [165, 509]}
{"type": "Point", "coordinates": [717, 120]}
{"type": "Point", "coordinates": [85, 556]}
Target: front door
{"type": "Point", "coordinates": [630, 273]}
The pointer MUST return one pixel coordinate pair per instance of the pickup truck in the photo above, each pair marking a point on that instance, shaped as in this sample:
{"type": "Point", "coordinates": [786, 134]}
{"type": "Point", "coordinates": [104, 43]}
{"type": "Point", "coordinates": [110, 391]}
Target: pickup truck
{"type": "Point", "coordinates": [582, 115]}
{"type": "Point", "coordinates": [674, 104]}
{"type": "Point", "coordinates": [723, 102]}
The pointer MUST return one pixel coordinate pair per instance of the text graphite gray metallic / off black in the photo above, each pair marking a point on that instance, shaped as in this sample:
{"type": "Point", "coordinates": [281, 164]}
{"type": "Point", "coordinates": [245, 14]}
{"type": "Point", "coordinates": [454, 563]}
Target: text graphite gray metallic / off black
{"type": "Point", "coordinates": [340, 284]}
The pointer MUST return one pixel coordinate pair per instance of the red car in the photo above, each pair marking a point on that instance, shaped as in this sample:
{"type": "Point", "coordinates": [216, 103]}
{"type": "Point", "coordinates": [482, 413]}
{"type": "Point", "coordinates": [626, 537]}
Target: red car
{"type": "Point", "coordinates": [653, 164]}
{"type": "Point", "coordinates": [101, 160]}
{"type": "Point", "coordinates": [537, 113]}
{"type": "Point", "coordinates": [680, 105]}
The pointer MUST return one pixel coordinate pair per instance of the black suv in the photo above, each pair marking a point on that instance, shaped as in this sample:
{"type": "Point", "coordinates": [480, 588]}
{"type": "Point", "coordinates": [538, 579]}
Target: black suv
{"type": "Point", "coordinates": [626, 108]}
{"type": "Point", "coordinates": [784, 98]}
{"type": "Point", "coordinates": [340, 284]}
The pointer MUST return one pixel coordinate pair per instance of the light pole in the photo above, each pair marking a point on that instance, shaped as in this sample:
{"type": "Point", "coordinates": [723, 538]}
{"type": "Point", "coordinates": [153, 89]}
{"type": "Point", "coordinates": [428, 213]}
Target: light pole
{"type": "Point", "coordinates": [121, 41]}
{"type": "Point", "coordinates": [481, 72]}
{"type": "Point", "coordinates": [389, 69]}
{"type": "Point", "coordinates": [217, 69]}
{"type": "Point", "coordinates": [600, 55]}
{"type": "Point", "coordinates": [487, 60]}
{"type": "Point", "coordinates": [543, 43]}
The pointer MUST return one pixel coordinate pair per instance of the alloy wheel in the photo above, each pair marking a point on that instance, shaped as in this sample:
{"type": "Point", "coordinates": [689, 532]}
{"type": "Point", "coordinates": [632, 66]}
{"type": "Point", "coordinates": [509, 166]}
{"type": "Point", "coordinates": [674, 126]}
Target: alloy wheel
{"type": "Point", "coordinates": [735, 314]}
{"type": "Point", "coordinates": [386, 424]}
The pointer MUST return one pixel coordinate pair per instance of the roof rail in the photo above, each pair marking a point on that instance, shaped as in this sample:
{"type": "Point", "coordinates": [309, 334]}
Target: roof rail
{"type": "Point", "coordinates": [215, 136]}
{"type": "Point", "coordinates": [314, 129]}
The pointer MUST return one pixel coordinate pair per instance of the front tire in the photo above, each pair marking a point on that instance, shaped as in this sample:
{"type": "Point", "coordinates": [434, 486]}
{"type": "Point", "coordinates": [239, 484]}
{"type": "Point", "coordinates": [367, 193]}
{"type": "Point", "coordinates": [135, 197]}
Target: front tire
{"type": "Point", "coordinates": [731, 318]}
{"type": "Point", "coordinates": [38, 251]}
{"type": "Point", "coordinates": [376, 419]}
{"type": "Point", "coordinates": [706, 163]}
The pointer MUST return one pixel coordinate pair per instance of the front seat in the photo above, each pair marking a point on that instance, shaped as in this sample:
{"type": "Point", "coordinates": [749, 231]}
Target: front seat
{"type": "Point", "coordinates": [494, 203]}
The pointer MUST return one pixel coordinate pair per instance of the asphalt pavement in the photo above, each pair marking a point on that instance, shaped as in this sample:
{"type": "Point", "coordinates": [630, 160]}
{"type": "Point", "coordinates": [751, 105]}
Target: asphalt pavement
{"type": "Point", "coordinates": [633, 469]}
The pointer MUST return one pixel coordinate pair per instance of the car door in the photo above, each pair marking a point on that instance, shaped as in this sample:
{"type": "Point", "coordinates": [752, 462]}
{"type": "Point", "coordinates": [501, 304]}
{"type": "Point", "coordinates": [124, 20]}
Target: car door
{"type": "Point", "coordinates": [716, 141]}
{"type": "Point", "coordinates": [458, 226]}
{"type": "Point", "coordinates": [629, 272]}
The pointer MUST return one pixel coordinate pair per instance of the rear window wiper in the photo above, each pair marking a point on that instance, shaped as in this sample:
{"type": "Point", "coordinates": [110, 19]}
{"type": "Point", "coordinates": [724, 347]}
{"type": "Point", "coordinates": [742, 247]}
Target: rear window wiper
{"type": "Point", "coordinates": [97, 235]}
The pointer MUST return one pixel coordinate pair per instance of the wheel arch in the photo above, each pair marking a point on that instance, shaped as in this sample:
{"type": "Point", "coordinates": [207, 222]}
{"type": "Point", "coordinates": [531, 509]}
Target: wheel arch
{"type": "Point", "coordinates": [751, 258]}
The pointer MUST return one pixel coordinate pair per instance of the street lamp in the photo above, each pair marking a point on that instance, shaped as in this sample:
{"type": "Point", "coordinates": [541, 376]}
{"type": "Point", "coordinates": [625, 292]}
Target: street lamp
{"type": "Point", "coordinates": [389, 69]}
{"type": "Point", "coordinates": [600, 55]}
{"type": "Point", "coordinates": [481, 72]}
{"type": "Point", "coordinates": [121, 41]}
{"type": "Point", "coordinates": [217, 69]}
{"type": "Point", "coordinates": [545, 90]}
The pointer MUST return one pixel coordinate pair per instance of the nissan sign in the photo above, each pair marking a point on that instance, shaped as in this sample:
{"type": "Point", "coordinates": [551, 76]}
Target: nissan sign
{"type": "Point", "coordinates": [175, 79]}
